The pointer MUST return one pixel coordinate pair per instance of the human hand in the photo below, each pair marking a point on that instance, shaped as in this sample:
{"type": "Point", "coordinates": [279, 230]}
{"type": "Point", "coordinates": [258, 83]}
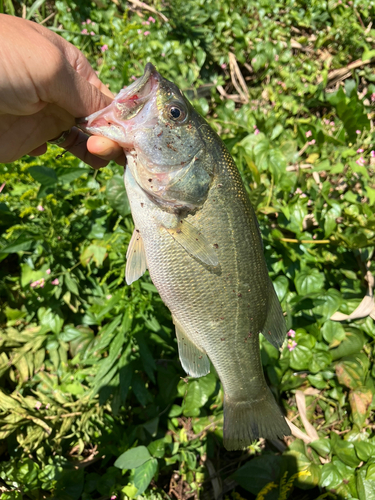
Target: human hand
{"type": "Point", "coordinates": [45, 84]}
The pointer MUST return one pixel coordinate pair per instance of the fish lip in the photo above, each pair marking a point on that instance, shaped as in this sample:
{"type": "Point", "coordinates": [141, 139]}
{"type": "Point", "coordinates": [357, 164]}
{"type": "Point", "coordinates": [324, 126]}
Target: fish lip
{"type": "Point", "coordinates": [136, 87]}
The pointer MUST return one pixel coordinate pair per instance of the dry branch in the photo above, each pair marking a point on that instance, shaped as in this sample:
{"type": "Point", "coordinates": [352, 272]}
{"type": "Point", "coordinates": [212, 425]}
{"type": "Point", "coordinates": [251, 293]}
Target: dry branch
{"type": "Point", "coordinates": [144, 6]}
{"type": "Point", "coordinates": [237, 79]}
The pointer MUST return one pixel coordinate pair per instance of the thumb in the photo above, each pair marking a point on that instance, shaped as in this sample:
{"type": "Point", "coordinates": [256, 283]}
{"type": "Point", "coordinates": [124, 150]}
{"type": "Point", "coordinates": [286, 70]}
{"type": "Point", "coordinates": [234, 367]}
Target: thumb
{"type": "Point", "coordinates": [75, 94]}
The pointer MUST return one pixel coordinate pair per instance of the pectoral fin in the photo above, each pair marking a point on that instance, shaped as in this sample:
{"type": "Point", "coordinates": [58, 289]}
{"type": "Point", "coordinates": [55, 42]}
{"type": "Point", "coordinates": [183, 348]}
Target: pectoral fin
{"type": "Point", "coordinates": [136, 263]}
{"type": "Point", "coordinates": [194, 361]}
{"type": "Point", "coordinates": [194, 243]}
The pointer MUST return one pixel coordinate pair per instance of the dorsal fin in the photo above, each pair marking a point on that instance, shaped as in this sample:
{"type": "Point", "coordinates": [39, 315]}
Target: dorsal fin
{"type": "Point", "coordinates": [136, 263]}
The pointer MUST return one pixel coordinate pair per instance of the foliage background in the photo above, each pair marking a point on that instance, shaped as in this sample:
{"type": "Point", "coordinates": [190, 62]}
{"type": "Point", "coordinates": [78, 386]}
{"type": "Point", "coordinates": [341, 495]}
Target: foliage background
{"type": "Point", "coordinates": [93, 400]}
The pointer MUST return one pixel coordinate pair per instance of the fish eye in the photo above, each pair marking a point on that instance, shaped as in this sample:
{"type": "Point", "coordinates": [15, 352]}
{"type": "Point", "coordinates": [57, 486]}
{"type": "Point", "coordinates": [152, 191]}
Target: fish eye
{"type": "Point", "coordinates": [176, 113]}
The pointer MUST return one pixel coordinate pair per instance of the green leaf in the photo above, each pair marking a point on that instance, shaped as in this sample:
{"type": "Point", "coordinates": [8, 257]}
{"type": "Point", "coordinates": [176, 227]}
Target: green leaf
{"type": "Point", "coordinates": [4, 208]}
{"type": "Point", "coordinates": [368, 54]}
{"type": "Point", "coordinates": [258, 472]}
{"type": "Point", "coordinates": [327, 303]}
{"type": "Point", "coordinates": [321, 359]}
{"type": "Point", "coordinates": [201, 57]}
{"type": "Point", "coordinates": [157, 448]}
{"type": "Point", "coordinates": [309, 281]}
{"type": "Point", "coordinates": [95, 252]}
{"type": "Point", "coordinates": [370, 474]}
{"type": "Point", "coordinates": [68, 175]}
{"type": "Point", "coordinates": [330, 476]}
{"type": "Point", "coordinates": [70, 283]}
{"type": "Point", "coordinates": [197, 394]}
{"type": "Point", "coordinates": [35, 6]}
{"type": "Point", "coordinates": [365, 487]}
{"type": "Point", "coordinates": [107, 363]}
{"type": "Point", "coordinates": [353, 343]}
{"type": "Point", "coordinates": [345, 451]}
{"type": "Point", "coordinates": [22, 243]}
{"type": "Point", "coordinates": [276, 131]}
{"type": "Point", "coordinates": [116, 195]}
{"type": "Point", "coordinates": [333, 331]}
{"type": "Point", "coordinates": [194, 399]}
{"type": "Point", "coordinates": [321, 446]}
{"type": "Point", "coordinates": [281, 285]}
{"type": "Point", "coordinates": [133, 458]}
{"type": "Point", "coordinates": [27, 473]}
{"type": "Point", "coordinates": [300, 358]}
{"type": "Point", "coordinates": [143, 475]}
{"type": "Point", "coordinates": [45, 175]}
{"type": "Point", "coordinates": [330, 222]}
{"type": "Point", "coordinates": [364, 450]}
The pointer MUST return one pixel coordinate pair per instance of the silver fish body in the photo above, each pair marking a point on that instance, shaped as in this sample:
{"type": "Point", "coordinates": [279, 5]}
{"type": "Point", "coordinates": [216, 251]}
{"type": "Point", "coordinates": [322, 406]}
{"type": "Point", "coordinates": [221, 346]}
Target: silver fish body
{"type": "Point", "coordinates": [197, 233]}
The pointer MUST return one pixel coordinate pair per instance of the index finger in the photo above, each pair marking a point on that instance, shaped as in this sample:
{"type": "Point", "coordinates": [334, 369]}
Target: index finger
{"type": "Point", "coordinates": [98, 156]}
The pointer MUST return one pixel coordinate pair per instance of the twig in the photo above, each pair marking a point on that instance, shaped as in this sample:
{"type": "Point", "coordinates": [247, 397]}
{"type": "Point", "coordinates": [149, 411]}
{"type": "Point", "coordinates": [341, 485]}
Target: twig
{"type": "Point", "coordinates": [359, 18]}
{"type": "Point", "coordinates": [301, 405]}
{"type": "Point", "coordinates": [293, 168]}
{"type": "Point", "coordinates": [142, 5]}
{"type": "Point", "coordinates": [292, 240]}
{"type": "Point", "coordinates": [297, 433]}
{"type": "Point", "coordinates": [232, 97]}
{"type": "Point", "coordinates": [303, 149]}
{"type": "Point", "coordinates": [64, 415]}
{"type": "Point", "coordinates": [340, 74]}
{"type": "Point", "coordinates": [48, 18]}
{"type": "Point", "coordinates": [237, 78]}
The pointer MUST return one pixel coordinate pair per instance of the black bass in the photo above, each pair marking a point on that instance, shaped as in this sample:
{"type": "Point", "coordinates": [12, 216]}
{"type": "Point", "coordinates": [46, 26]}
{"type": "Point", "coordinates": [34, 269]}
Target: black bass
{"type": "Point", "coordinates": [197, 234]}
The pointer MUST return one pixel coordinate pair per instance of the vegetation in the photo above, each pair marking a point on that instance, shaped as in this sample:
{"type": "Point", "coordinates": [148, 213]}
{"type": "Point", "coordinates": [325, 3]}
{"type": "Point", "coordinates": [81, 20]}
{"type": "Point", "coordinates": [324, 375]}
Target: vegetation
{"type": "Point", "coordinates": [94, 403]}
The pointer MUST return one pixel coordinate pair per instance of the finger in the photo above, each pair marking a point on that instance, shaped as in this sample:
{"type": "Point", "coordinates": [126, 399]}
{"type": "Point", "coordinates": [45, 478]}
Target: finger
{"type": "Point", "coordinates": [76, 144]}
{"type": "Point", "coordinates": [105, 148]}
{"type": "Point", "coordinates": [75, 58]}
{"type": "Point", "coordinates": [38, 151]}
{"type": "Point", "coordinates": [81, 100]}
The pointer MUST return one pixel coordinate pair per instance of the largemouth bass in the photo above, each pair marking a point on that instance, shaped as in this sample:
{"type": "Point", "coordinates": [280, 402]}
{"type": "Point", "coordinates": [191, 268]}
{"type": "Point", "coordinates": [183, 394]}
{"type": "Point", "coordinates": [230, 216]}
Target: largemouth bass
{"type": "Point", "coordinates": [197, 233]}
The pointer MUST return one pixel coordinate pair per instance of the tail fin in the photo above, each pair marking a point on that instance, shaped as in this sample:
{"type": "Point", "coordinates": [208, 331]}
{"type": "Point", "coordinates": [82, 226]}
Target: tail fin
{"type": "Point", "coordinates": [275, 328]}
{"type": "Point", "coordinates": [246, 421]}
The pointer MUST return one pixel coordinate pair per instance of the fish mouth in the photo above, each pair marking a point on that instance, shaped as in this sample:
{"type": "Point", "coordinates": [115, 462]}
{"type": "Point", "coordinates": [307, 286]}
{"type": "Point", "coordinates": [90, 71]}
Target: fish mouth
{"type": "Point", "coordinates": [109, 122]}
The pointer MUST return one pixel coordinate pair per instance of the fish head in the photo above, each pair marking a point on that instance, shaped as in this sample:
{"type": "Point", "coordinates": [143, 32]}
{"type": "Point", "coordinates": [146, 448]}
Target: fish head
{"type": "Point", "coordinates": [159, 131]}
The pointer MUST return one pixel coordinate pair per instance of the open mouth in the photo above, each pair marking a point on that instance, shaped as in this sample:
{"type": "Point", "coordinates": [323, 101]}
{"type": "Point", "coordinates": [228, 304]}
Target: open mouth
{"type": "Point", "coordinates": [127, 104]}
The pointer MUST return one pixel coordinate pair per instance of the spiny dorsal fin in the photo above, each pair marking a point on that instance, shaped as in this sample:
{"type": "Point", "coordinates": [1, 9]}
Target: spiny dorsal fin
{"type": "Point", "coordinates": [194, 361]}
{"type": "Point", "coordinates": [275, 328]}
{"type": "Point", "coordinates": [194, 243]}
{"type": "Point", "coordinates": [136, 263]}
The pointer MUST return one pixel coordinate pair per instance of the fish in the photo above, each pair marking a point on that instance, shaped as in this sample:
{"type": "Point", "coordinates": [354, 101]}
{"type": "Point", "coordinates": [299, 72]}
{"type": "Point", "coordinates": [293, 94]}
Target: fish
{"type": "Point", "coordinates": [197, 234]}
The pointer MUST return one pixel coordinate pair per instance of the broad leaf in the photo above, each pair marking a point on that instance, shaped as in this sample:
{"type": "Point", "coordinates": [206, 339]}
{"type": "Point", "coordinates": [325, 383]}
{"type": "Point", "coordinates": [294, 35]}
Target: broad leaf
{"type": "Point", "coordinates": [133, 458]}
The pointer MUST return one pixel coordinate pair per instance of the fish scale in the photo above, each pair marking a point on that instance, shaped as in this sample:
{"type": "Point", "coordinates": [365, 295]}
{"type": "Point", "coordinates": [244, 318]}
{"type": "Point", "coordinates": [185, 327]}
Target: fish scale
{"type": "Point", "coordinates": [205, 256]}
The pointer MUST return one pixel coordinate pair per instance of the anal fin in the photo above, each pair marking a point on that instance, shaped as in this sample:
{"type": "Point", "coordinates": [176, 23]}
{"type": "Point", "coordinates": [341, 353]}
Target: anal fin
{"type": "Point", "coordinates": [194, 361]}
{"type": "Point", "coordinates": [275, 328]}
{"type": "Point", "coordinates": [136, 263]}
{"type": "Point", "coordinates": [194, 243]}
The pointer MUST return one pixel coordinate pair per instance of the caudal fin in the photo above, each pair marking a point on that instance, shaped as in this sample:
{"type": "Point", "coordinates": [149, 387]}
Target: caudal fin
{"type": "Point", "coordinates": [245, 422]}
{"type": "Point", "coordinates": [275, 328]}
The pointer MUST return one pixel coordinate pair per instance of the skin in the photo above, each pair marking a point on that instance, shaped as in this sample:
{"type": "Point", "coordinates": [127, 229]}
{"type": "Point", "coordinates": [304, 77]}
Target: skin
{"type": "Point", "coordinates": [45, 84]}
